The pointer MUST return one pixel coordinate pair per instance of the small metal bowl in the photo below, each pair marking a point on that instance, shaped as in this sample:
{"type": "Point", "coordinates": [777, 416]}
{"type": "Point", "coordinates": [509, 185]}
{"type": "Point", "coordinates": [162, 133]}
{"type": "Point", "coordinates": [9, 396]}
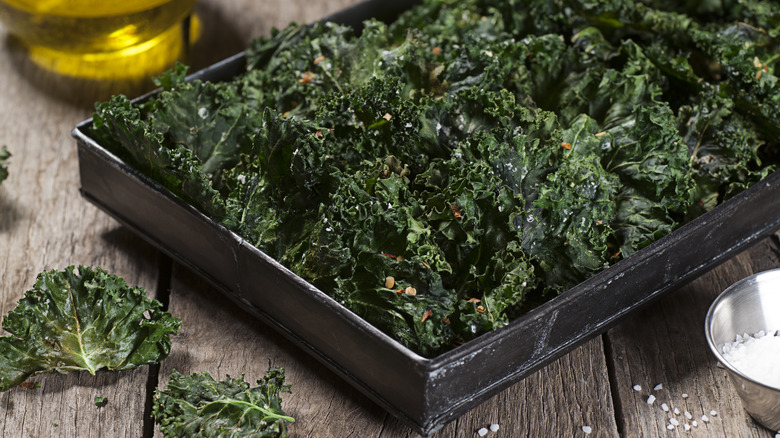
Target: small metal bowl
{"type": "Point", "coordinates": [748, 306]}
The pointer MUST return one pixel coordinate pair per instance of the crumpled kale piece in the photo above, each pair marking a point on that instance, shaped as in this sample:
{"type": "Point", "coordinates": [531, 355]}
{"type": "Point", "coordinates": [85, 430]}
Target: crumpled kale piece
{"type": "Point", "coordinates": [4, 156]}
{"type": "Point", "coordinates": [199, 406]}
{"type": "Point", "coordinates": [82, 319]}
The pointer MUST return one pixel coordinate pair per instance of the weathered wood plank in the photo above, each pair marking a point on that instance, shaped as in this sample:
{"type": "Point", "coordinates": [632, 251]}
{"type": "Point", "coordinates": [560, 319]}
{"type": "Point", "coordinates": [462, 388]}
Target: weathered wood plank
{"type": "Point", "coordinates": [664, 343]}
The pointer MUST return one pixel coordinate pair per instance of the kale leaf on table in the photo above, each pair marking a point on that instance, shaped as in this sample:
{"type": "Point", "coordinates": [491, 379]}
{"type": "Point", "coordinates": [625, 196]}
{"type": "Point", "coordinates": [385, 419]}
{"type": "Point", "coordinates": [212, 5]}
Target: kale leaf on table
{"type": "Point", "coordinates": [198, 405]}
{"type": "Point", "coordinates": [4, 156]}
{"type": "Point", "coordinates": [441, 174]}
{"type": "Point", "coordinates": [82, 319]}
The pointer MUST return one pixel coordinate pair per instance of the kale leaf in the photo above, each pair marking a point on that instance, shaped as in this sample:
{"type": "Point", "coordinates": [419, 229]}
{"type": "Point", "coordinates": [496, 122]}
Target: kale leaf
{"type": "Point", "coordinates": [82, 319]}
{"type": "Point", "coordinates": [4, 156]}
{"type": "Point", "coordinates": [198, 405]}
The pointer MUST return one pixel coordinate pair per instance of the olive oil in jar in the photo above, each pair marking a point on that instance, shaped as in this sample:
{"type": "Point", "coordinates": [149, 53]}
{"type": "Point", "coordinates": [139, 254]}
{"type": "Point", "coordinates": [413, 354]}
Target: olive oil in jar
{"type": "Point", "coordinates": [101, 38]}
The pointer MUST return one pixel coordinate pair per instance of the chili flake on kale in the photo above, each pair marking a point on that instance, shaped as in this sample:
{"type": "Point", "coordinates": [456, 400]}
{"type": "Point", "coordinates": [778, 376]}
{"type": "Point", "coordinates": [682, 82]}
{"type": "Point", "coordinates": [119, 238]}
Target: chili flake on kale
{"type": "Point", "coordinates": [485, 155]}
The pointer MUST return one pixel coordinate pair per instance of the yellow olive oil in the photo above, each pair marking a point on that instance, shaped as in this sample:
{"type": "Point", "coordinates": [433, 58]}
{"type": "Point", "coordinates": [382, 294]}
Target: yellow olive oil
{"type": "Point", "coordinates": [101, 38]}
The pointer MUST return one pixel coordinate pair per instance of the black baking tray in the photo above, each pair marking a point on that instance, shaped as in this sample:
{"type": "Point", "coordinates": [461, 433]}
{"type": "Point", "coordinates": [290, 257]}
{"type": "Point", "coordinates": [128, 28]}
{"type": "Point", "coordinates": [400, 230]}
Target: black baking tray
{"type": "Point", "coordinates": [425, 393]}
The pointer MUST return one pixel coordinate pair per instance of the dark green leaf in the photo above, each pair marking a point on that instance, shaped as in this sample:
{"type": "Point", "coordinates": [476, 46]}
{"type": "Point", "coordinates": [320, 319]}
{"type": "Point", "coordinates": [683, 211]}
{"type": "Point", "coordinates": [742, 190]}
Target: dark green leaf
{"type": "Point", "coordinates": [4, 156]}
{"type": "Point", "coordinates": [199, 406]}
{"type": "Point", "coordinates": [85, 319]}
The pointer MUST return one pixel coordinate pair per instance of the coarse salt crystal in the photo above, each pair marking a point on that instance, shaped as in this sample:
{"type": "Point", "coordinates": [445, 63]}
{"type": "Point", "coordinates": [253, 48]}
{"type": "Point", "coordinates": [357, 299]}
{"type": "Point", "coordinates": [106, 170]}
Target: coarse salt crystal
{"type": "Point", "coordinates": [637, 388]}
{"type": "Point", "coordinates": [714, 413]}
{"type": "Point", "coordinates": [757, 356]}
{"type": "Point", "coordinates": [482, 432]}
{"type": "Point", "coordinates": [650, 399]}
{"type": "Point", "coordinates": [669, 426]}
{"type": "Point", "coordinates": [684, 395]}
{"type": "Point", "coordinates": [674, 421]}
{"type": "Point", "coordinates": [705, 419]}
{"type": "Point", "coordinates": [587, 430]}
{"type": "Point", "coordinates": [665, 407]}
{"type": "Point", "coordinates": [494, 427]}
{"type": "Point", "coordinates": [695, 423]}
{"type": "Point", "coordinates": [688, 415]}
{"type": "Point", "coordinates": [676, 411]}
{"type": "Point", "coordinates": [658, 387]}
{"type": "Point", "coordinates": [687, 426]}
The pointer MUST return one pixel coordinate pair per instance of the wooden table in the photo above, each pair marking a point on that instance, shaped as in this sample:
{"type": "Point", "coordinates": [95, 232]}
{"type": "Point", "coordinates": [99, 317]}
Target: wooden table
{"type": "Point", "coordinates": [45, 224]}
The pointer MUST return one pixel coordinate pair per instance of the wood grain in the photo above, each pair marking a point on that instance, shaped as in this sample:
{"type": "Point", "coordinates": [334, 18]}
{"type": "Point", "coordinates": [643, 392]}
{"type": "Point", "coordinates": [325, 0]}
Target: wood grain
{"type": "Point", "coordinates": [665, 344]}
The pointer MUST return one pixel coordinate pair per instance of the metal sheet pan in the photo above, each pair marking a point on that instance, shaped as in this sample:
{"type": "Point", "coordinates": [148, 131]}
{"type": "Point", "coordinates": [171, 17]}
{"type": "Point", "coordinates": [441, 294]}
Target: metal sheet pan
{"type": "Point", "coordinates": [425, 393]}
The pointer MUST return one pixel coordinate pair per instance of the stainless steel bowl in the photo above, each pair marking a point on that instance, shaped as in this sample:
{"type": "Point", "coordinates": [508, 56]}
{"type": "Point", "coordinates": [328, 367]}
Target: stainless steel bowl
{"type": "Point", "coordinates": [748, 306]}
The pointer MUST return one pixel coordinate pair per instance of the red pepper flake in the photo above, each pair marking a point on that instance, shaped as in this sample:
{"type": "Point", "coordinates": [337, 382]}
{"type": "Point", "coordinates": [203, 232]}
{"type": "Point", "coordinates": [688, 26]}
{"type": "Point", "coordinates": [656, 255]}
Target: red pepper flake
{"type": "Point", "coordinates": [758, 74]}
{"type": "Point", "coordinates": [426, 265]}
{"type": "Point", "coordinates": [387, 116]}
{"type": "Point", "coordinates": [600, 134]}
{"type": "Point", "coordinates": [616, 255]}
{"type": "Point", "coordinates": [428, 313]}
{"type": "Point", "coordinates": [399, 291]}
{"type": "Point", "coordinates": [480, 309]}
{"type": "Point", "coordinates": [28, 385]}
{"type": "Point", "coordinates": [445, 320]}
{"type": "Point", "coordinates": [410, 291]}
{"type": "Point", "coordinates": [306, 77]}
{"type": "Point", "coordinates": [394, 257]}
{"type": "Point", "coordinates": [318, 59]}
{"type": "Point", "coordinates": [474, 300]}
{"type": "Point", "coordinates": [456, 210]}
{"type": "Point", "coordinates": [318, 133]}
{"type": "Point", "coordinates": [437, 51]}
{"type": "Point", "coordinates": [566, 146]}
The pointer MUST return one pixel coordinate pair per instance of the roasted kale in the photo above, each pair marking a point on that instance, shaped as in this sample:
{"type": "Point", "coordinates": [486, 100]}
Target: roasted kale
{"type": "Point", "coordinates": [199, 406]}
{"type": "Point", "coordinates": [441, 174]}
{"type": "Point", "coordinates": [82, 319]}
{"type": "Point", "coordinates": [4, 156]}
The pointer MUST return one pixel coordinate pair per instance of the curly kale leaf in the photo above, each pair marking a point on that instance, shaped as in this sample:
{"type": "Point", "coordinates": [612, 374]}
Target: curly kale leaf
{"type": "Point", "coordinates": [208, 118]}
{"type": "Point", "coordinates": [118, 122]}
{"type": "Point", "coordinates": [644, 150]}
{"type": "Point", "coordinates": [724, 149]}
{"type": "Point", "coordinates": [199, 406]}
{"type": "Point", "coordinates": [4, 156]}
{"type": "Point", "coordinates": [85, 319]}
{"type": "Point", "coordinates": [744, 58]}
